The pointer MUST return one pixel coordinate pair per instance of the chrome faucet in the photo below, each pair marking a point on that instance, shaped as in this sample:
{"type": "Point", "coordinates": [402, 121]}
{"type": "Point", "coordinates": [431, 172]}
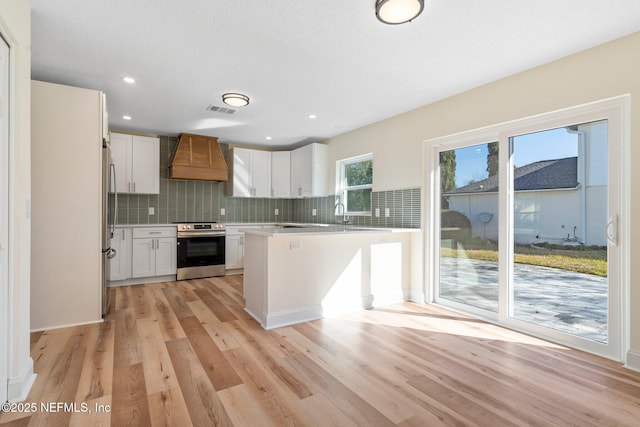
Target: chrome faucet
{"type": "Point", "coordinates": [345, 218]}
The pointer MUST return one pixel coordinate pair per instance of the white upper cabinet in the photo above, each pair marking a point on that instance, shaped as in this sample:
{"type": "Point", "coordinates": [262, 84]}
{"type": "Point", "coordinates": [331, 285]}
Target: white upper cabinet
{"type": "Point", "coordinates": [309, 171]}
{"type": "Point", "coordinates": [281, 174]}
{"type": "Point", "coordinates": [251, 173]}
{"type": "Point", "coordinates": [137, 162]}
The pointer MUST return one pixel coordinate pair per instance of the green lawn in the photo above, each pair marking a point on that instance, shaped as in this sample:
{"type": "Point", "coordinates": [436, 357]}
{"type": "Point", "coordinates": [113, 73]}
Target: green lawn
{"type": "Point", "coordinates": [582, 261]}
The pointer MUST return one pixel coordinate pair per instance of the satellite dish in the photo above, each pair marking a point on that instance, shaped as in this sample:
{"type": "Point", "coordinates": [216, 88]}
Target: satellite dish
{"type": "Point", "coordinates": [485, 217]}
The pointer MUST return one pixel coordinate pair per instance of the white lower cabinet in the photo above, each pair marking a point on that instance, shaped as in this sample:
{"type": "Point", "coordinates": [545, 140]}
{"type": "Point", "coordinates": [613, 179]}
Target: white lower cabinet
{"type": "Point", "coordinates": [120, 265]}
{"type": "Point", "coordinates": [234, 246]}
{"type": "Point", "coordinates": [154, 252]}
{"type": "Point", "coordinates": [234, 250]}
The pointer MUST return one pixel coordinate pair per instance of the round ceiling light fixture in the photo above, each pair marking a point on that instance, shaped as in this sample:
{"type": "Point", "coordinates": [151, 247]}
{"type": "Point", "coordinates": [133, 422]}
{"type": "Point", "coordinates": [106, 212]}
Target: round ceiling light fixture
{"type": "Point", "coordinates": [398, 11]}
{"type": "Point", "coordinates": [235, 99]}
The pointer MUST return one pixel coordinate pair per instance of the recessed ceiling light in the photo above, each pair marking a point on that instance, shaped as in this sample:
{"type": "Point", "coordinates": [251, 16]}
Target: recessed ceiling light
{"type": "Point", "coordinates": [235, 99]}
{"type": "Point", "coordinates": [312, 116]}
{"type": "Point", "coordinates": [126, 117]}
{"type": "Point", "coordinates": [129, 80]}
{"type": "Point", "coordinates": [398, 11]}
{"type": "Point", "coordinates": [269, 138]}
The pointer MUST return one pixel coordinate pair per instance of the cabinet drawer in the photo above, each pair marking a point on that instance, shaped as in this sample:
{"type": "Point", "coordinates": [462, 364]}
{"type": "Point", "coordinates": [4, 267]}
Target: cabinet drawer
{"type": "Point", "coordinates": [147, 232]}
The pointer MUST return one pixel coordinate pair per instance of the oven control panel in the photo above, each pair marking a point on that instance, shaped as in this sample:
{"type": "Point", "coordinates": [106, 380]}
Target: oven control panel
{"type": "Point", "coordinates": [201, 227]}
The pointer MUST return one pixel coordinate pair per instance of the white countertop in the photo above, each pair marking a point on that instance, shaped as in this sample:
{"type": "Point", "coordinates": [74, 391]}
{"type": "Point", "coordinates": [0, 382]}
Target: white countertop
{"type": "Point", "coordinates": [322, 230]}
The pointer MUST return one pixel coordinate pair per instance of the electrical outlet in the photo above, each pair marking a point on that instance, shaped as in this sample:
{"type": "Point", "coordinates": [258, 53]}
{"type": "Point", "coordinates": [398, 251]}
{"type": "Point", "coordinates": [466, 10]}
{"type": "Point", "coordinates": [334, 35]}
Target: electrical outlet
{"type": "Point", "coordinates": [276, 212]}
{"type": "Point", "coordinates": [295, 245]}
{"type": "Point", "coordinates": [387, 212]}
{"type": "Point", "coordinates": [223, 211]}
{"type": "Point", "coordinates": [152, 210]}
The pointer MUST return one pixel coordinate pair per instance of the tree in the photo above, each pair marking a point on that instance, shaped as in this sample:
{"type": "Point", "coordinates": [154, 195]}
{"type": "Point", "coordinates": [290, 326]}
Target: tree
{"type": "Point", "coordinates": [447, 174]}
{"type": "Point", "coordinates": [492, 158]}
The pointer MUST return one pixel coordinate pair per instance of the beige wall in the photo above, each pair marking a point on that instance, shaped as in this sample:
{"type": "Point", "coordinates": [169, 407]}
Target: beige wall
{"type": "Point", "coordinates": [15, 25]}
{"type": "Point", "coordinates": [602, 72]}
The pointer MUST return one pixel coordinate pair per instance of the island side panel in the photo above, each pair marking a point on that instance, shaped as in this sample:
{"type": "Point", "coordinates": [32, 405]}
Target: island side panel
{"type": "Point", "coordinates": [255, 277]}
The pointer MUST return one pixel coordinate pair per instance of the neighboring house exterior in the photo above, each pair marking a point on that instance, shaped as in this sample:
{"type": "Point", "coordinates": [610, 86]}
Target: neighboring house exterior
{"type": "Point", "coordinates": [562, 201]}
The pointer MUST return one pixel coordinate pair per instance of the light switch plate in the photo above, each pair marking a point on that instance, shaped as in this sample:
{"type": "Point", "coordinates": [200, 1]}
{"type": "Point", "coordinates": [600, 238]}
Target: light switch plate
{"type": "Point", "coordinates": [313, 212]}
{"type": "Point", "coordinates": [152, 210]}
{"type": "Point", "coordinates": [276, 212]}
{"type": "Point", "coordinates": [223, 211]}
{"type": "Point", "coordinates": [387, 212]}
{"type": "Point", "coordinates": [377, 211]}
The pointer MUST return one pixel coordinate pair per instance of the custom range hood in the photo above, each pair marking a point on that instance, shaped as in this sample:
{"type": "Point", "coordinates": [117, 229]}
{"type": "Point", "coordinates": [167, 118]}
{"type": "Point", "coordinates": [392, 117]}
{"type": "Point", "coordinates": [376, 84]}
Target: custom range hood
{"type": "Point", "coordinates": [199, 158]}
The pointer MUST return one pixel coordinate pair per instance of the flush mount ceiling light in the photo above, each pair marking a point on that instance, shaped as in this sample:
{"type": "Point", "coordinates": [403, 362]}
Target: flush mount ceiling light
{"type": "Point", "coordinates": [235, 99]}
{"type": "Point", "coordinates": [398, 11]}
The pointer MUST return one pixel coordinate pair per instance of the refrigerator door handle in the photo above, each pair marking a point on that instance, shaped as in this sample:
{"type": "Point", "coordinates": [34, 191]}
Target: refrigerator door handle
{"type": "Point", "coordinates": [112, 170]}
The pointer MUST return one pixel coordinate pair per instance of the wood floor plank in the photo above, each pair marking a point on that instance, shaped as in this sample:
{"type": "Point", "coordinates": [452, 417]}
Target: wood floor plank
{"type": "Point", "coordinates": [97, 371]}
{"type": "Point", "coordinates": [349, 402]}
{"type": "Point", "coordinates": [126, 350]}
{"type": "Point", "coordinates": [186, 353]}
{"type": "Point", "coordinates": [220, 372]}
{"type": "Point", "coordinates": [169, 409]}
{"type": "Point", "coordinates": [205, 408]}
{"type": "Point", "coordinates": [242, 408]}
{"type": "Point", "coordinates": [130, 406]}
{"type": "Point", "coordinates": [216, 307]}
{"type": "Point", "coordinates": [177, 304]}
{"type": "Point", "coordinates": [274, 399]}
{"type": "Point", "coordinates": [167, 320]}
{"type": "Point", "coordinates": [158, 370]}
{"type": "Point", "coordinates": [218, 331]}
{"type": "Point", "coordinates": [99, 413]}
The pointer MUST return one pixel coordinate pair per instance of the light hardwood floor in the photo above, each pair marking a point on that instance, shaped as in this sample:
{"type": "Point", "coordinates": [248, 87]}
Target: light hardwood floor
{"type": "Point", "coordinates": [185, 353]}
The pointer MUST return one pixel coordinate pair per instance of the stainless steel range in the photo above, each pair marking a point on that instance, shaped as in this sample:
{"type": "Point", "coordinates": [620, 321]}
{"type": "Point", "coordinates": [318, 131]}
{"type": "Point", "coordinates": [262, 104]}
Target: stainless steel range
{"type": "Point", "coordinates": [201, 250]}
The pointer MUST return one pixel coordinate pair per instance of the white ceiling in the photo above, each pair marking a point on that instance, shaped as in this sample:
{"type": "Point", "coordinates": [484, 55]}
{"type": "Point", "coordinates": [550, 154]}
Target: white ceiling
{"type": "Point", "coordinates": [293, 58]}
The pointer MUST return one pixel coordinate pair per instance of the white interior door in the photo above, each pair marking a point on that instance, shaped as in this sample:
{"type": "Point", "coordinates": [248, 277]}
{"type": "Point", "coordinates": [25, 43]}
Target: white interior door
{"type": "Point", "coordinates": [4, 215]}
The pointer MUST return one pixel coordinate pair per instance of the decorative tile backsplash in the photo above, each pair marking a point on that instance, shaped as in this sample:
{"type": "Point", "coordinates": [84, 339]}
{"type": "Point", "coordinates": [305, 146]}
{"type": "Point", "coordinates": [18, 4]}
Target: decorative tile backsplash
{"type": "Point", "coordinates": [181, 200]}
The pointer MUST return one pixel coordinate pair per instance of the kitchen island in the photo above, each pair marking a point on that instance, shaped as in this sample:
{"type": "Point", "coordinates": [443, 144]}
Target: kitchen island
{"type": "Point", "coordinates": [294, 275]}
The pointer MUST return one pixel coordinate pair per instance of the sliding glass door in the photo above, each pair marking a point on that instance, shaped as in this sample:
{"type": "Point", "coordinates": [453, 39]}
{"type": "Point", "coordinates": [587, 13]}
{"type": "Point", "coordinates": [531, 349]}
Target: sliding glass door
{"type": "Point", "coordinates": [528, 220]}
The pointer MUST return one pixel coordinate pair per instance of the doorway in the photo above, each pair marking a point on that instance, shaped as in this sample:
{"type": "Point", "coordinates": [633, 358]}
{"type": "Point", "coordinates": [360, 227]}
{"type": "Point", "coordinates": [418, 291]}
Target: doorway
{"type": "Point", "coordinates": [530, 227]}
{"type": "Point", "coordinates": [4, 218]}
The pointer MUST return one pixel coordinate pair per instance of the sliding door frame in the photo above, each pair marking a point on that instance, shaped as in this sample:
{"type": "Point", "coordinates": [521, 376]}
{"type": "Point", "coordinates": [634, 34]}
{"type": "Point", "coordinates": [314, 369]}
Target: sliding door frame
{"type": "Point", "coordinates": [617, 112]}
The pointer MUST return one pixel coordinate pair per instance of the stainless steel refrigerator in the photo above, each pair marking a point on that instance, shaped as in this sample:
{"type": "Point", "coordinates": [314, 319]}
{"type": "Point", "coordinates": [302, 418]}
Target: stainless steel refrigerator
{"type": "Point", "coordinates": [109, 218]}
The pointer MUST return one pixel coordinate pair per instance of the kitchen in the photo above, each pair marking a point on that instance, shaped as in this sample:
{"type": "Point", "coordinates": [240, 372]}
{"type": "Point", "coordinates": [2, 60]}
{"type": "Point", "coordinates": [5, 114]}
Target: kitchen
{"type": "Point", "coordinates": [397, 190]}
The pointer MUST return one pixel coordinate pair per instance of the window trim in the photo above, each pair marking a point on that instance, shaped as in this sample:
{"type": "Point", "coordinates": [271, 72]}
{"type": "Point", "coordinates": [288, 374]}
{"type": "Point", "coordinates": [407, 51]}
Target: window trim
{"type": "Point", "coordinates": [342, 188]}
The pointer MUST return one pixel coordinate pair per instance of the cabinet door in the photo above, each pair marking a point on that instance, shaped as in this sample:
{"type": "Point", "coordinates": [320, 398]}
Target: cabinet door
{"type": "Point", "coordinates": [261, 173]}
{"type": "Point", "coordinates": [242, 172]}
{"type": "Point", "coordinates": [119, 266]}
{"type": "Point", "coordinates": [166, 256]}
{"type": "Point", "coordinates": [301, 170]}
{"type": "Point", "coordinates": [281, 174]}
{"type": "Point", "coordinates": [145, 172]}
{"type": "Point", "coordinates": [234, 251]}
{"type": "Point", "coordinates": [121, 158]}
{"type": "Point", "coordinates": [143, 257]}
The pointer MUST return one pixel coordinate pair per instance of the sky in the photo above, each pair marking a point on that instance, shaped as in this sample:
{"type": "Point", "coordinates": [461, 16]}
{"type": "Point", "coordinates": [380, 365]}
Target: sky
{"type": "Point", "coordinates": [471, 162]}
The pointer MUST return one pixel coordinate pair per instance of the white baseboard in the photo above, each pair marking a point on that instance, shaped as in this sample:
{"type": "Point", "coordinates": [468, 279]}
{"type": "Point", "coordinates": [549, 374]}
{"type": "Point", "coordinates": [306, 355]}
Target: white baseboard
{"type": "Point", "coordinates": [290, 317]}
{"type": "Point", "coordinates": [19, 386]}
{"type": "Point", "coordinates": [389, 298]}
{"type": "Point", "coordinates": [417, 296]}
{"type": "Point", "coordinates": [633, 360]}
{"type": "Point", "coordinates": [70, 325]}
{"type": "Point", "coordinates": [142, 280]}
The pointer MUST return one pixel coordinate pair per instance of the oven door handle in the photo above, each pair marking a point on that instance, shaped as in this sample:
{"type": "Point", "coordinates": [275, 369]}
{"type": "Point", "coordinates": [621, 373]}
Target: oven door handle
{"type": "Point", "coordinates": [200, 234]}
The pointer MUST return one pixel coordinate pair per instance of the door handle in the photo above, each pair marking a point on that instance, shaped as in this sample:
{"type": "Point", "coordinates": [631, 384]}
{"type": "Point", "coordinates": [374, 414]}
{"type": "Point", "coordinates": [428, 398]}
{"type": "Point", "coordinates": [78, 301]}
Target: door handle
{"type": "Point", "coordinates": [611, 230]}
